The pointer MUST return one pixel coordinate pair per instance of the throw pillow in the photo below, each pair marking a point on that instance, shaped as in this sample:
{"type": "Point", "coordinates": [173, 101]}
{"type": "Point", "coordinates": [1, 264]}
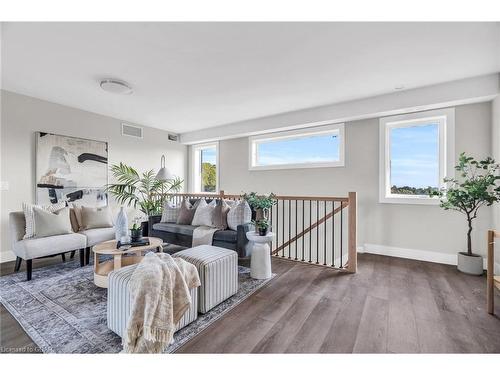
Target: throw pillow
{"type": "Point", "coordinates": [220, 215]}
{"type": "Point", "coordinates": [77, 211]}
{"type": "Point", "coordinates": [30, 216]}
{"type": "Point", "coordinates": [170, 213]}
{"type": "Point", "coordinates": [204, 213]}
{"type": "Point", "coordinates": [51, 223]}
{"type": "Point", "coordinates": [186, 213]}
{"type": "Point", "coordinates": [238, 215]}
{"type": "Point", "coordinates": [98, 217]}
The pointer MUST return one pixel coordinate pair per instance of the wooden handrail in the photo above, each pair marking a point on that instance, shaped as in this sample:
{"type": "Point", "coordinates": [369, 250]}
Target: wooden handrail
{"type": "Point", "coordinates": [279, 197]}
{"type": "Point", "coordinates": [311, 227]}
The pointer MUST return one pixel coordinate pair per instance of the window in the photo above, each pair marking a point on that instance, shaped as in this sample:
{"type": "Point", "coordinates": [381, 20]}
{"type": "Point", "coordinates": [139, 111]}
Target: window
{"type": "Point", "coordinates": [416, 153]}
{"type": "Point", "coordinates": [311, 148]}
{"type": "Point", "coordinates": [205, 171]}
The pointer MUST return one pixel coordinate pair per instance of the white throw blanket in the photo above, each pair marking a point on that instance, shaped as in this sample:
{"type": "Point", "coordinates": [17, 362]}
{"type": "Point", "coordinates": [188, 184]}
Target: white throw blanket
{"type": "Point", "coordinates": [203, 235]}
{"type": "Point", "coordinates": [159, 289]}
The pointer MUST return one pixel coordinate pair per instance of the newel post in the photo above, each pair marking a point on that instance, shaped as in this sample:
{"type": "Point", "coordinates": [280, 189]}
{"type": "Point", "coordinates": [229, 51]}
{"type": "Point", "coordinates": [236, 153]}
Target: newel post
{"type": "Point", "coordinates": [352, 240]}
{"type": "Point", "coordinates": [221, 193]}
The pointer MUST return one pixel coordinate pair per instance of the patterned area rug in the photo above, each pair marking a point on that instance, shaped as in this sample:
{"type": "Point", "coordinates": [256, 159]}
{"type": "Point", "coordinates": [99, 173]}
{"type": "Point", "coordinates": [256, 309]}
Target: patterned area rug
{"type": "Point", "coordinates": [64, 312]}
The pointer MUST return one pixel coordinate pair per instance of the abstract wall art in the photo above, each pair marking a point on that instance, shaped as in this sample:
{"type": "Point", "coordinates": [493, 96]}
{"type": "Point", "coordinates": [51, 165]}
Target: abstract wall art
{"type": "Point", "coordinates": [71, 169]}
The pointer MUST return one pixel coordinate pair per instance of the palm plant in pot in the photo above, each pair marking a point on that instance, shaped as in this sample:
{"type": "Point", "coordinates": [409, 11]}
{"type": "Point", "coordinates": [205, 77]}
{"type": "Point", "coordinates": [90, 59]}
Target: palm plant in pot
{"type": "Point", "coordinates": [142, 191]}
{"type": "Point", "coordinates": [476, 187]}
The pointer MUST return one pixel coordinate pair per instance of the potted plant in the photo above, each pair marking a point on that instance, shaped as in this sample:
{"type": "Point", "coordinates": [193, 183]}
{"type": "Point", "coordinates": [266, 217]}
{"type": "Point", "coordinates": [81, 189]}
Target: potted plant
{"type": "Point", "coordinates": [476, 187]}
{"type": "Point", "coordinates": [262, 226]}
{"type": "Point", "coordinates": [261, 204]}
{"type": "Point", "coordinates": [141, 191]}
{"type": "Point", "coordinates": [135, 232]}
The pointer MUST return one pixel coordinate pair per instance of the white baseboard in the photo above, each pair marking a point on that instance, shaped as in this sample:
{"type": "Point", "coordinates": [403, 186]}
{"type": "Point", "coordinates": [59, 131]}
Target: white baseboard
{"type": "Point", "coordinates": [7, 256]}
{"type": "Point", "coordinates": [425, 255]}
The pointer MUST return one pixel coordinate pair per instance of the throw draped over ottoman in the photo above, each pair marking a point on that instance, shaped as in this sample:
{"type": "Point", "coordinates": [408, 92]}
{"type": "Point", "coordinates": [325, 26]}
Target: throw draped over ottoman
{"type": "Point", "coordinates": [119, 302]}
{"type": "Point", "coordinates": [218, 270]}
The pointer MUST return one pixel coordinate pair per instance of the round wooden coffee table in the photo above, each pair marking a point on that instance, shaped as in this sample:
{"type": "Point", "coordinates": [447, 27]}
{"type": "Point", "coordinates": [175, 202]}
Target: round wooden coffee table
{"type": "Point", "coordinates": [121, 258]}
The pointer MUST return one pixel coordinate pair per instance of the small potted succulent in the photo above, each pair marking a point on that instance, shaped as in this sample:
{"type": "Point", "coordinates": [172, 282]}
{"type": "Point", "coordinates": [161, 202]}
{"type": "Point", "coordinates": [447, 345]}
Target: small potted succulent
{"type": "Point", "coordinates": [136, 232]}
{"type": "Point", "coordinates": [475, 187]}
{"type": "Point", "coordinates": [262, 226]}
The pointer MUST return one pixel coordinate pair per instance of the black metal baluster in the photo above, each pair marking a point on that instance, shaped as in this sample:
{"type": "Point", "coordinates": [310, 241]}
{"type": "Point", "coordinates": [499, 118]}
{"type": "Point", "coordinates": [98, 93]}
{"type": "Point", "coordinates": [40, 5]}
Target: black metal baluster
{"type": "Point", "coordinates": [289, 227]}
{"type": "Point", "coordinates": [310, 230]}
{"type": "Point", "coordinates": [296, 239]}
{"type": "Point", "coordinates": [303, 227]}
{"type": "Point", "coordinates": [277, 226]}
{"type": "Point", "coordinates": [283, 250]}
{"type": "Point", "coordinates": [341, 232]}
{"type": "Point", "coordinates": [317, 232]}
{"type": "Point", "coordinates": [333, 234]}
{"type": "Point", "coordinates": [324, 228]}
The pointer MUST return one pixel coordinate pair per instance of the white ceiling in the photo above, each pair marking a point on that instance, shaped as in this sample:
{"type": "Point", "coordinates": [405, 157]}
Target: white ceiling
{"type": "Point", "coordinates": [189, 76]}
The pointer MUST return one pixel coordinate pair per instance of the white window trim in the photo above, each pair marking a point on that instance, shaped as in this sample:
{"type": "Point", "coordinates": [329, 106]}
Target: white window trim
{"type": "Point", "coordinates": [253, 141]}
{"type": "Point", "coordinates": [195, 164]}
{"type": "Point", "coordinates": [446, 122]}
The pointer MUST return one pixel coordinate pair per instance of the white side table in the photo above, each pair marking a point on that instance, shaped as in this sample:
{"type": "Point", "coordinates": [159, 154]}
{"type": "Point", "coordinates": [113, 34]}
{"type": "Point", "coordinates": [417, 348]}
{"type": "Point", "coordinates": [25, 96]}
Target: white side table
{"type": "Point", "coordinates": [260, 262]}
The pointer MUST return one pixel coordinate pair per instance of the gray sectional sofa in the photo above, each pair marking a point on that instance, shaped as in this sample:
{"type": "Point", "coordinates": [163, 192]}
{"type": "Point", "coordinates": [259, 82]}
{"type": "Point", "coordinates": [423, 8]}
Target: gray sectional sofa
{"type": "Point", "coordinates": [182, 235]}
{"type": "Point", "coordinates": [34, 248]}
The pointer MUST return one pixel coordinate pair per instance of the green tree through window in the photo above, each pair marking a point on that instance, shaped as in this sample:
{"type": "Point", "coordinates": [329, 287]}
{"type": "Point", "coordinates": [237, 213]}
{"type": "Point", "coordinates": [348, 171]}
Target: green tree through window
{"type": "Point", "coordinates": [208, 177]}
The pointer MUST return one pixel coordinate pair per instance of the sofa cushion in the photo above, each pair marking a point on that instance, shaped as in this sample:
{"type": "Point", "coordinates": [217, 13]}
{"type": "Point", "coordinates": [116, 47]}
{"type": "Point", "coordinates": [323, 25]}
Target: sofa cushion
{"type": "Point", "coordinates": [96, 217]}
{"type": "Point", "coordinates": [204, 213]}
{"type": "Point", "coordinates": [238, 215]}
{"type": "Point", "coordinates": [29, 215]}
{"type": "Point", "coordinates": [40, 247]}
{"type": "Point", "coordinates": [98, 235]}
{"type": "Point", "coordinates": [170, 213]}
{"type": "Point", "coordinates": [175, 228]}
{"type": "Point", "coordinates": [226, 235]}
{"type": "Point", "coordinates": [51, 223]}
{"type": "Point", "coordinates": [186, 213]}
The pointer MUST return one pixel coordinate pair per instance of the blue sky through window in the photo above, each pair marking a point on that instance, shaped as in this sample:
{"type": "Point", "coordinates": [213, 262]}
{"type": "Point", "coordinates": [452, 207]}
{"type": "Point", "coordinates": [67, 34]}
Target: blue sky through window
{"type": "Point", "coordinates": [208, 155]}
{"type": "Point", "coordinates": [415, 156]}
{"type": "Point", "coordinates": [311, 149]}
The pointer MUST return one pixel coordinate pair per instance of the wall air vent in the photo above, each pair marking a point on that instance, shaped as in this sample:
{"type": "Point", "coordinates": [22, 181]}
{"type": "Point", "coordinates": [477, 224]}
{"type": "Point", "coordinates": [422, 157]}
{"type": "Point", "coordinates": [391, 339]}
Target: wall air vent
{"type": "Point", "coordinates": [131, 130]}
{"type": "Point", "coordinates": [173, 137]}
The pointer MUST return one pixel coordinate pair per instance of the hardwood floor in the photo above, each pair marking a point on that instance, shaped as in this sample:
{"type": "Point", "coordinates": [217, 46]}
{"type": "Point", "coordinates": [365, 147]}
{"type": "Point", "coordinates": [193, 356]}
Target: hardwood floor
{"type": "Point", "coordinates": [391, 305]}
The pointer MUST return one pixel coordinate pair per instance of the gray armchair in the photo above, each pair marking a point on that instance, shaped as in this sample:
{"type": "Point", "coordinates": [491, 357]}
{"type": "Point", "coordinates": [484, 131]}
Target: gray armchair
{"type": "Point", "coordinates": [33, 248]}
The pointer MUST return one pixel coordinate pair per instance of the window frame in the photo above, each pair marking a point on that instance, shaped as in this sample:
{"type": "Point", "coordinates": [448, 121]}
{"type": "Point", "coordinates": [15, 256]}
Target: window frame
{"type": "Point", "coordinates": [196, 166]}
{"type": "Point", "coordinates": [334, 129]}
{"type": "Point", "coordinates": [446, 133]}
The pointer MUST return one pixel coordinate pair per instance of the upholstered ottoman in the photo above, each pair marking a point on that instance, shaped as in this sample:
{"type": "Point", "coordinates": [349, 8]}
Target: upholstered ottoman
{"type": "Point", "coordinates": [218, 270]}
{"type": "Point", "coordinates": [119, 301]}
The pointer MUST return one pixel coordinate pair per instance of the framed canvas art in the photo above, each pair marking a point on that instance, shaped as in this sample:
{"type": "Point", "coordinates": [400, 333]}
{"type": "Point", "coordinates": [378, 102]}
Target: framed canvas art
{"type": "Point", "coordinates": [71, 169]}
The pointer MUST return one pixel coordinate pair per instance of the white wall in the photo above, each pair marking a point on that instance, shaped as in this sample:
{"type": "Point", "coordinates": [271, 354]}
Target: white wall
{"type": "Point", "coordinates": [495, 138]}
{"type": "Point", "coordinates": [411, 227]}
{"type": "Point", "coordinates": [22, 116]}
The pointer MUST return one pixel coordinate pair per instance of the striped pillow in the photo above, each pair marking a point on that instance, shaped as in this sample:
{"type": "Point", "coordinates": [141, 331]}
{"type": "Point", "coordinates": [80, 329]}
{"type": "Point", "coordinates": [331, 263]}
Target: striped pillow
{"type": "Point", "coordinates": [238, 215]}
{"type": "Point", "coordinates": [170, 213]}
{"type": "Point", "coordinates": [29, 215]}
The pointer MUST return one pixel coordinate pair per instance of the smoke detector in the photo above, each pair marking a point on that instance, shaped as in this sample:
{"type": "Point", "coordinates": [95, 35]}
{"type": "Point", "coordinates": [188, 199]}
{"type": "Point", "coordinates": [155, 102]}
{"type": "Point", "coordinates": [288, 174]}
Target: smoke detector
{"type": "Point", "coordinates": [116, 86]}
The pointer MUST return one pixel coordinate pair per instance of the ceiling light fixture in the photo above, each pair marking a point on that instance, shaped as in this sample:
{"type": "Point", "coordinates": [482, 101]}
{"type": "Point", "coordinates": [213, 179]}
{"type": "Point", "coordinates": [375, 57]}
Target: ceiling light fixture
{"type": "Point", "coordinates": [116, 86]}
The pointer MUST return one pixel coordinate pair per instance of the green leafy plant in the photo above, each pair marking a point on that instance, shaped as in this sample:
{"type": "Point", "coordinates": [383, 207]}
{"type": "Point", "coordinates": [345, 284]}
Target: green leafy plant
{"type": "Point", "coordinates": [261, 224]}
{"type": "Point", "coordinates": [141, 190]}
{"type": "Point", "coordinates": [476, 187]}
{"type": "Point", "coordinates": [264, 202]}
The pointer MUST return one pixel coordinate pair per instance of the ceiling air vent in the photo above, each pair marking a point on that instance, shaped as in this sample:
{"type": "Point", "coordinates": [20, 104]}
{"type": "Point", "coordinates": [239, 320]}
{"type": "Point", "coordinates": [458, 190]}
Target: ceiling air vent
{"type": "Point", "coordinates": [173, 137]}
{"type": "Point", "coordinates": [131, 130]}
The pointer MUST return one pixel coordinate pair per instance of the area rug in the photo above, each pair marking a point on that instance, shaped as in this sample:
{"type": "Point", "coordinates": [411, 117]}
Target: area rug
{"type": "Point", "coordinates": [64, 312]}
